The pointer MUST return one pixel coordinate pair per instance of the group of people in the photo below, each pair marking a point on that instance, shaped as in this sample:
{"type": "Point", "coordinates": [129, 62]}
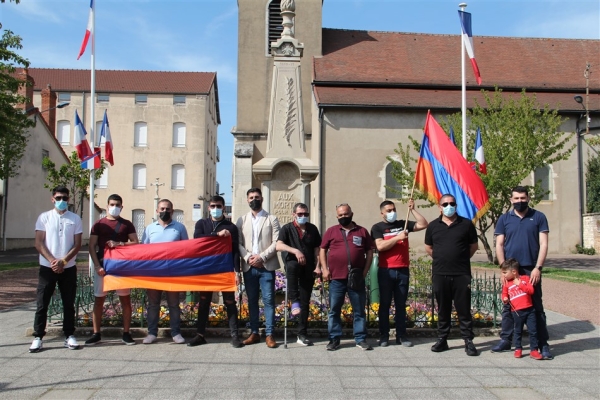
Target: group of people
{"type": "Point", "coordinates": [342, 257]}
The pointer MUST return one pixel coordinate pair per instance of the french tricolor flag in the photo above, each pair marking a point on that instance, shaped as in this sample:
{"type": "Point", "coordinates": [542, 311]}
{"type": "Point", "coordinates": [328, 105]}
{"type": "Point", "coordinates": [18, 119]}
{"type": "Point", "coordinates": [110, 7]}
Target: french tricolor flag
{"type": "Point", "coordinates": [88, 30]}
{"type": "Point", "coordinates": [479, 153]}
{"type": "Point", "coordinates": [465, 22]}
{"type": "Point", "coordinates": [81, 144]}
{"type": "Point", "coordinates": [105, 137]}
{"type": "Point", "coordinates": [93, 161]}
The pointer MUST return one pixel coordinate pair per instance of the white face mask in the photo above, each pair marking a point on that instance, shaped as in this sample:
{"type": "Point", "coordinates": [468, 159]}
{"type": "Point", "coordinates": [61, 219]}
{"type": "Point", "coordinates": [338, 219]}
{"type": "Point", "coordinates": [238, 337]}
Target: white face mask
{"type": "Point", "coordinates": [391, 216]}
{"type": "Point", "coordinates": [114, 211]}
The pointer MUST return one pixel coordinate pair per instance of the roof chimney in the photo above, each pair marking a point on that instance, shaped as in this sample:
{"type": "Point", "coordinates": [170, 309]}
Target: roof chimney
{"type": "Point", "coordinates": [25, 89]}
{"type": "Point", "coordinates": [49, 108]}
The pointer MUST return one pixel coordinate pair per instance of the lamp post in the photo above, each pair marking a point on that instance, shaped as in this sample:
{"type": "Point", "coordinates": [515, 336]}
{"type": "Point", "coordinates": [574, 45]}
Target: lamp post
{"type": "Point", "coordinates": [59, 105]}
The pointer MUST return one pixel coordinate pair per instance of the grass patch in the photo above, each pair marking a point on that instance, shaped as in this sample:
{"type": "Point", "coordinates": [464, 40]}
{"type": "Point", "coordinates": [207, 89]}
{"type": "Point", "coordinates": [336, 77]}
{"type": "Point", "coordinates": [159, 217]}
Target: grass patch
{"type": "Point", "coordinates": [568, 275]}
{"type": "Point", "coordinates": [10, 267]}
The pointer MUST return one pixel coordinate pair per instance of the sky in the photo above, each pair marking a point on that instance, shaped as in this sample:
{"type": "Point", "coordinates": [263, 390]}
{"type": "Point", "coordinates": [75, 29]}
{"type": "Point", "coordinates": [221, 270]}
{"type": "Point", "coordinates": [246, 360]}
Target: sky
{"type": "Point", "coordinates": [201, 35]}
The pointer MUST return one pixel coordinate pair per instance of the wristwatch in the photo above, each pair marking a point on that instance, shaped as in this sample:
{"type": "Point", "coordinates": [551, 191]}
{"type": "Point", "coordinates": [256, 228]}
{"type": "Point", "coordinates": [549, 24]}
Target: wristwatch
{"type": "Point", "coordinates": [539, 267]}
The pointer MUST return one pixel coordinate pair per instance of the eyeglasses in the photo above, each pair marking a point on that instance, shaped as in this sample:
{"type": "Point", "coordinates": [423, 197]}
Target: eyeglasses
{"type": "Point", "coordinates": [453, 204]}
{"type": "Point", "coordinates": [340, 205]}
{"type": "Point", "coordinates": [301, 214]}
{"type": "Point", "coordinates": [215, 206]}
{"type": "Point", "coordinates": [59, 198]}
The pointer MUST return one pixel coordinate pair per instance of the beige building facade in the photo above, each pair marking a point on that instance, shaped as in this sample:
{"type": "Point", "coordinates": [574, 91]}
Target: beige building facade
{"type": "Point", "coordinates": [365, 92]}
{"type": "Point", "coordinates": [164, 133]}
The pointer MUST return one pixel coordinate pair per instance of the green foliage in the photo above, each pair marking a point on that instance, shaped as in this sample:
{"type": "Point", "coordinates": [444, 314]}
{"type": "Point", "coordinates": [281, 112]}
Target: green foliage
{"type": "Point", "coordinates": [519, 136]}
{"type": "Point", "coordinates": [590, 251]}
{"type": "Point", "coordinates": [13, 122]}
{"type": "Point", "coordinates": [592, 184]}
{"type": "Point", "coordinates": [73, 177]}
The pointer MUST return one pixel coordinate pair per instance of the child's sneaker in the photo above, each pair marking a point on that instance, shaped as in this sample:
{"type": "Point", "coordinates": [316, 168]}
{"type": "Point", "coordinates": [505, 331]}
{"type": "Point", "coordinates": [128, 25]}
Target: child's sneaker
{"type": "Point", "coordinates": [518, 353]}
{"type": "Point", "coordinates": [71, 343]}
{"type": "Point", "coordinates": [535, 355]}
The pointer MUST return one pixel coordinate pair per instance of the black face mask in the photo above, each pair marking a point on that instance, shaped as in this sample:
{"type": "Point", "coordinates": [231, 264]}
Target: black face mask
{"type": "Point", "coordinates": [256, 204]}
{"type": "Point", "coordinates": [521, 206]}
{"type": "Point", "coordinates": [345, 221]}
{"type": "Point", "coordinates": [164, 215]}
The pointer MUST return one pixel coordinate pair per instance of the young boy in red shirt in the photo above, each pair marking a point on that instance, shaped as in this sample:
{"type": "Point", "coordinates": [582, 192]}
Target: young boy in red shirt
{"type": "Point", "coordinates": [517, 291]}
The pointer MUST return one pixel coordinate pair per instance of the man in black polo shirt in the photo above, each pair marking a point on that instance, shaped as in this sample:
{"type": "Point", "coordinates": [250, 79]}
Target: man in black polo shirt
{"type": "Point", "coordinates": [301, 240]}
{"type": "Point", "coordinates": [451, 241]}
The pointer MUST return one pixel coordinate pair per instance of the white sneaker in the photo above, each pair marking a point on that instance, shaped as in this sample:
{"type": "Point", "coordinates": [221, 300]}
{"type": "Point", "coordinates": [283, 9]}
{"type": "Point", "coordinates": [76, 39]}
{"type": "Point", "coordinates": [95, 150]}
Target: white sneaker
{"type": "Point", "coordinates": [178, 339]}
{"type": "Point", "coordinates": [36, 345]}
{"type": "Point", "coordinates": [71, 343]}
{"type": "Point", "coordinates": [149, 339]}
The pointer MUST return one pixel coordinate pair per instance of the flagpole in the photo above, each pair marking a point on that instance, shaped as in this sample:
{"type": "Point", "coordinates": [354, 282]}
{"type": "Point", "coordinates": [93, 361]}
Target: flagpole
{"type": "Point", "coordinates": [412, 191]}
{"type": "Point", "coordinates": [93, 127]}
{"type": "Point", "coordinates": [464, 88]}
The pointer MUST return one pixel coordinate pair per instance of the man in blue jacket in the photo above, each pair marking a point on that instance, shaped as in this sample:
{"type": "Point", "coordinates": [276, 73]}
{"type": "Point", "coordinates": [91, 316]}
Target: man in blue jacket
{"type": "Point", "coordinates": [218, 225]}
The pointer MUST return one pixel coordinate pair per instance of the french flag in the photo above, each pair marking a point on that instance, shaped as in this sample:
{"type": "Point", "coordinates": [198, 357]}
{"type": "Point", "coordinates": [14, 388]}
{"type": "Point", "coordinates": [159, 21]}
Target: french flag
{"type": "Point", "coordinates": [465, 22]}
{"type": "Point", "coordinates": [105, 136]}
{"type": "Point", "coordinates": [479, 153]}
{"type": "Point", "coordinates": [81, 144]}
{"type": "Point", "coordinates": [93, 161]}
{"type": "Point", "coordinates": [88, 30]}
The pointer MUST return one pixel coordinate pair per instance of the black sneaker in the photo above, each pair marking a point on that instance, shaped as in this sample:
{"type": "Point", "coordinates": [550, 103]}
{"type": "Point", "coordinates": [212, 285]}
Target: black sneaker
{"type": "Point", "coordinates": [470, 348]}
{"type": "Point", "coordinates": [383, 342]}
{"type": "Point", "coordinates": [95, 339]}
{"type": "Point", "coordinates": [235, 342]}
{"type": "Point", "coordinates": [333, 345]}
{"type": "Point", "coordinates": [127, 339]}
{"type": "Point", "coordinates": [403, 340]}
{"type": "Point", "coordinates": [364, 345]}
{"type": "Point", "coordinates": [304, 341]}
{"type": "Point", "coordinates": [197, 341]}
{"type": "Point", "coordinates": [440, 345]}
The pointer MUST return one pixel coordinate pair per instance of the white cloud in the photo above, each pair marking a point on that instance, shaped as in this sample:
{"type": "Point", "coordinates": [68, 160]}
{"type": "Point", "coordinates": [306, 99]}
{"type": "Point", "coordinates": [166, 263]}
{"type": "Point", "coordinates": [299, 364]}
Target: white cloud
{"type": "Point", "coordinates": [581, 25]}
{"type": "Point", "coordinates": [220, 20]}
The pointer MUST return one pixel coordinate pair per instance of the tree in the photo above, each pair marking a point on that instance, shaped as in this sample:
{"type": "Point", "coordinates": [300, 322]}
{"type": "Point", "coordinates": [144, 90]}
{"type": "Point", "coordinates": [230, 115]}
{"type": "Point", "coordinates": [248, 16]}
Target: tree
{"type": "Point", "coordinates": [592, 178]}
{"type": "Point", "coordinates": [73, 177]}
{"type": "Point", "coordinates": [13, 122]}
{"type": "Point", "coordinates": [518, 137]}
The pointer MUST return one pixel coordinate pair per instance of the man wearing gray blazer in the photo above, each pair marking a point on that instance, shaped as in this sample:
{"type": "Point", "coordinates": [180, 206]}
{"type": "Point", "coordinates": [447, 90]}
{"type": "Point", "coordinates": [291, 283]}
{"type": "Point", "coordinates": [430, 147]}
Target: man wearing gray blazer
{"type": "Point", "coordinates": [258, 232]}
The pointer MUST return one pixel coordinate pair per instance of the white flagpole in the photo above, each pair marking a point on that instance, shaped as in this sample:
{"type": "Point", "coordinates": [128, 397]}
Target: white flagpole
{"type": "Point", "coordinates": [93, 127]}
{"type": "Point", "coordinates": [464, 88]}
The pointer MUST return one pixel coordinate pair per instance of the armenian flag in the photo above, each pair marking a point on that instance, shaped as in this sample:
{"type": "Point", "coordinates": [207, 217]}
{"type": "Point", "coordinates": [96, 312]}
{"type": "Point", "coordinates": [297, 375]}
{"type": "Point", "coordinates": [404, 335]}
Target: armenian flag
{"type": "Point", "coordinates": [441, 169]}
{"type": "Point", "coordinates": [204, 264]}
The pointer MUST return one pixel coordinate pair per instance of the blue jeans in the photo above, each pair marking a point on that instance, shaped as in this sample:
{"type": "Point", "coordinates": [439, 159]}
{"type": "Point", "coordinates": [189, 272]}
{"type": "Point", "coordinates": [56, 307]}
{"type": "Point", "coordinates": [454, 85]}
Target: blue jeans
{"type": "Point", "coordinates": [154, 310]}
{"type": "Point", "coordinates": [257, 279]}
{"type": "Point", "coordinates": [508, 322]}
{"type": "Point", "coordinates": [393, 283]}
{"type": "Point", "coordinates": [337, 293]}
{"type": "Point", "coordinates": [522, 317]}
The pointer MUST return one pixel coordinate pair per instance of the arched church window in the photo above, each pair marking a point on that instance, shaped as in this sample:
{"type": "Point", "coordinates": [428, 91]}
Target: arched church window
{"type": "Point", "coordinates": [274, 23]}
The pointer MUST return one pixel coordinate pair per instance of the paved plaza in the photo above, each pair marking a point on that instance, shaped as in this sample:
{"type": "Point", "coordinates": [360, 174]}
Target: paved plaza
{"type": "Point", "coordinates": [169, 371]}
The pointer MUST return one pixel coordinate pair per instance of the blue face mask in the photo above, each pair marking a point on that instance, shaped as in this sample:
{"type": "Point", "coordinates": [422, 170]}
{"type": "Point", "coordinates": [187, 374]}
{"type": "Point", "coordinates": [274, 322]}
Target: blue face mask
{"type": "Point", "coordinates": [391, 216]}
{"type": "Point", "coordinates": [60, 205]}
{"type": "Point", "coordinates": [449, 211]}
{"type": "Point", "coordinates": [301, 220]}
{"type": "Point", "coordinates": [216, 212]}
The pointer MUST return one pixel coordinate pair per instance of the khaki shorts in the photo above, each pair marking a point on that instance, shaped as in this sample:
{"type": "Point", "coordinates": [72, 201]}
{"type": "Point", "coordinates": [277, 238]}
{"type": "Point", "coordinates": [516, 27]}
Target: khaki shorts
{"type": "Point", "coordinates": [99, 287]}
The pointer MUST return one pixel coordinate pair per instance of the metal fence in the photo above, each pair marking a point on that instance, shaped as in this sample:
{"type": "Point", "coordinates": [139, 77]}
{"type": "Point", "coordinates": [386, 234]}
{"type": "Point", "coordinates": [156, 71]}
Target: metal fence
{"type": "Point", "coordinates": [421, 309]}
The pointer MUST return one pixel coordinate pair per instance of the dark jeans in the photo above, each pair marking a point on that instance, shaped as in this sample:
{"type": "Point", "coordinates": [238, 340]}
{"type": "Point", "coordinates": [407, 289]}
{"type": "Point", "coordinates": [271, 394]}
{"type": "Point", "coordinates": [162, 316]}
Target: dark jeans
{"type": "Point", "coordinates": [457, 288]}
{"type": "Point", "coordinates": [508, 323]}
{"type": "Point", "coordinates": [393, 283]}
{"type": "Point", "coordinates": [522, 317]}
{"type": "Point", "coordinates": [67, 284]}
{"type": "Point", "coordinates": [300, 282]}
{"type": "Point", "coordinates": [337, 293]}
{"type": "Point", "coordinates": [204, 308]}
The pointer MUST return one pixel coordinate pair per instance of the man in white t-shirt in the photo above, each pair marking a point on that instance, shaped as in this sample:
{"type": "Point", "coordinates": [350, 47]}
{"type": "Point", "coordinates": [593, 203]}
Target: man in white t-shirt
{"type": "Point", "coordinates": [58, 239]}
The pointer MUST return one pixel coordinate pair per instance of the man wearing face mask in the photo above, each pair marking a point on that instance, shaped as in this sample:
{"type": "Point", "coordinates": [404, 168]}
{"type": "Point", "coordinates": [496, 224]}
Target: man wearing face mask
{"type": "Point", "coordinates": [346, 247]}
{"type": "Point", "coordinates": [451, 241]}
{"type": "Point", "coordinates": [162, 231]}
{"type": "Point", "coordinates": [301, 240]}
{"type": "Point", "coordinates": [391, 239]}
{"type": "Point", "coordinates": [110, 232]}
{"type": "Point", "coordinates": [258, 232]}
{"type": "Point", "coordinates": [522, 234]}
{"type": "Point", "coordinates": [58, 240]}
{"type": "Point", "coordinates": [217, 225]}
